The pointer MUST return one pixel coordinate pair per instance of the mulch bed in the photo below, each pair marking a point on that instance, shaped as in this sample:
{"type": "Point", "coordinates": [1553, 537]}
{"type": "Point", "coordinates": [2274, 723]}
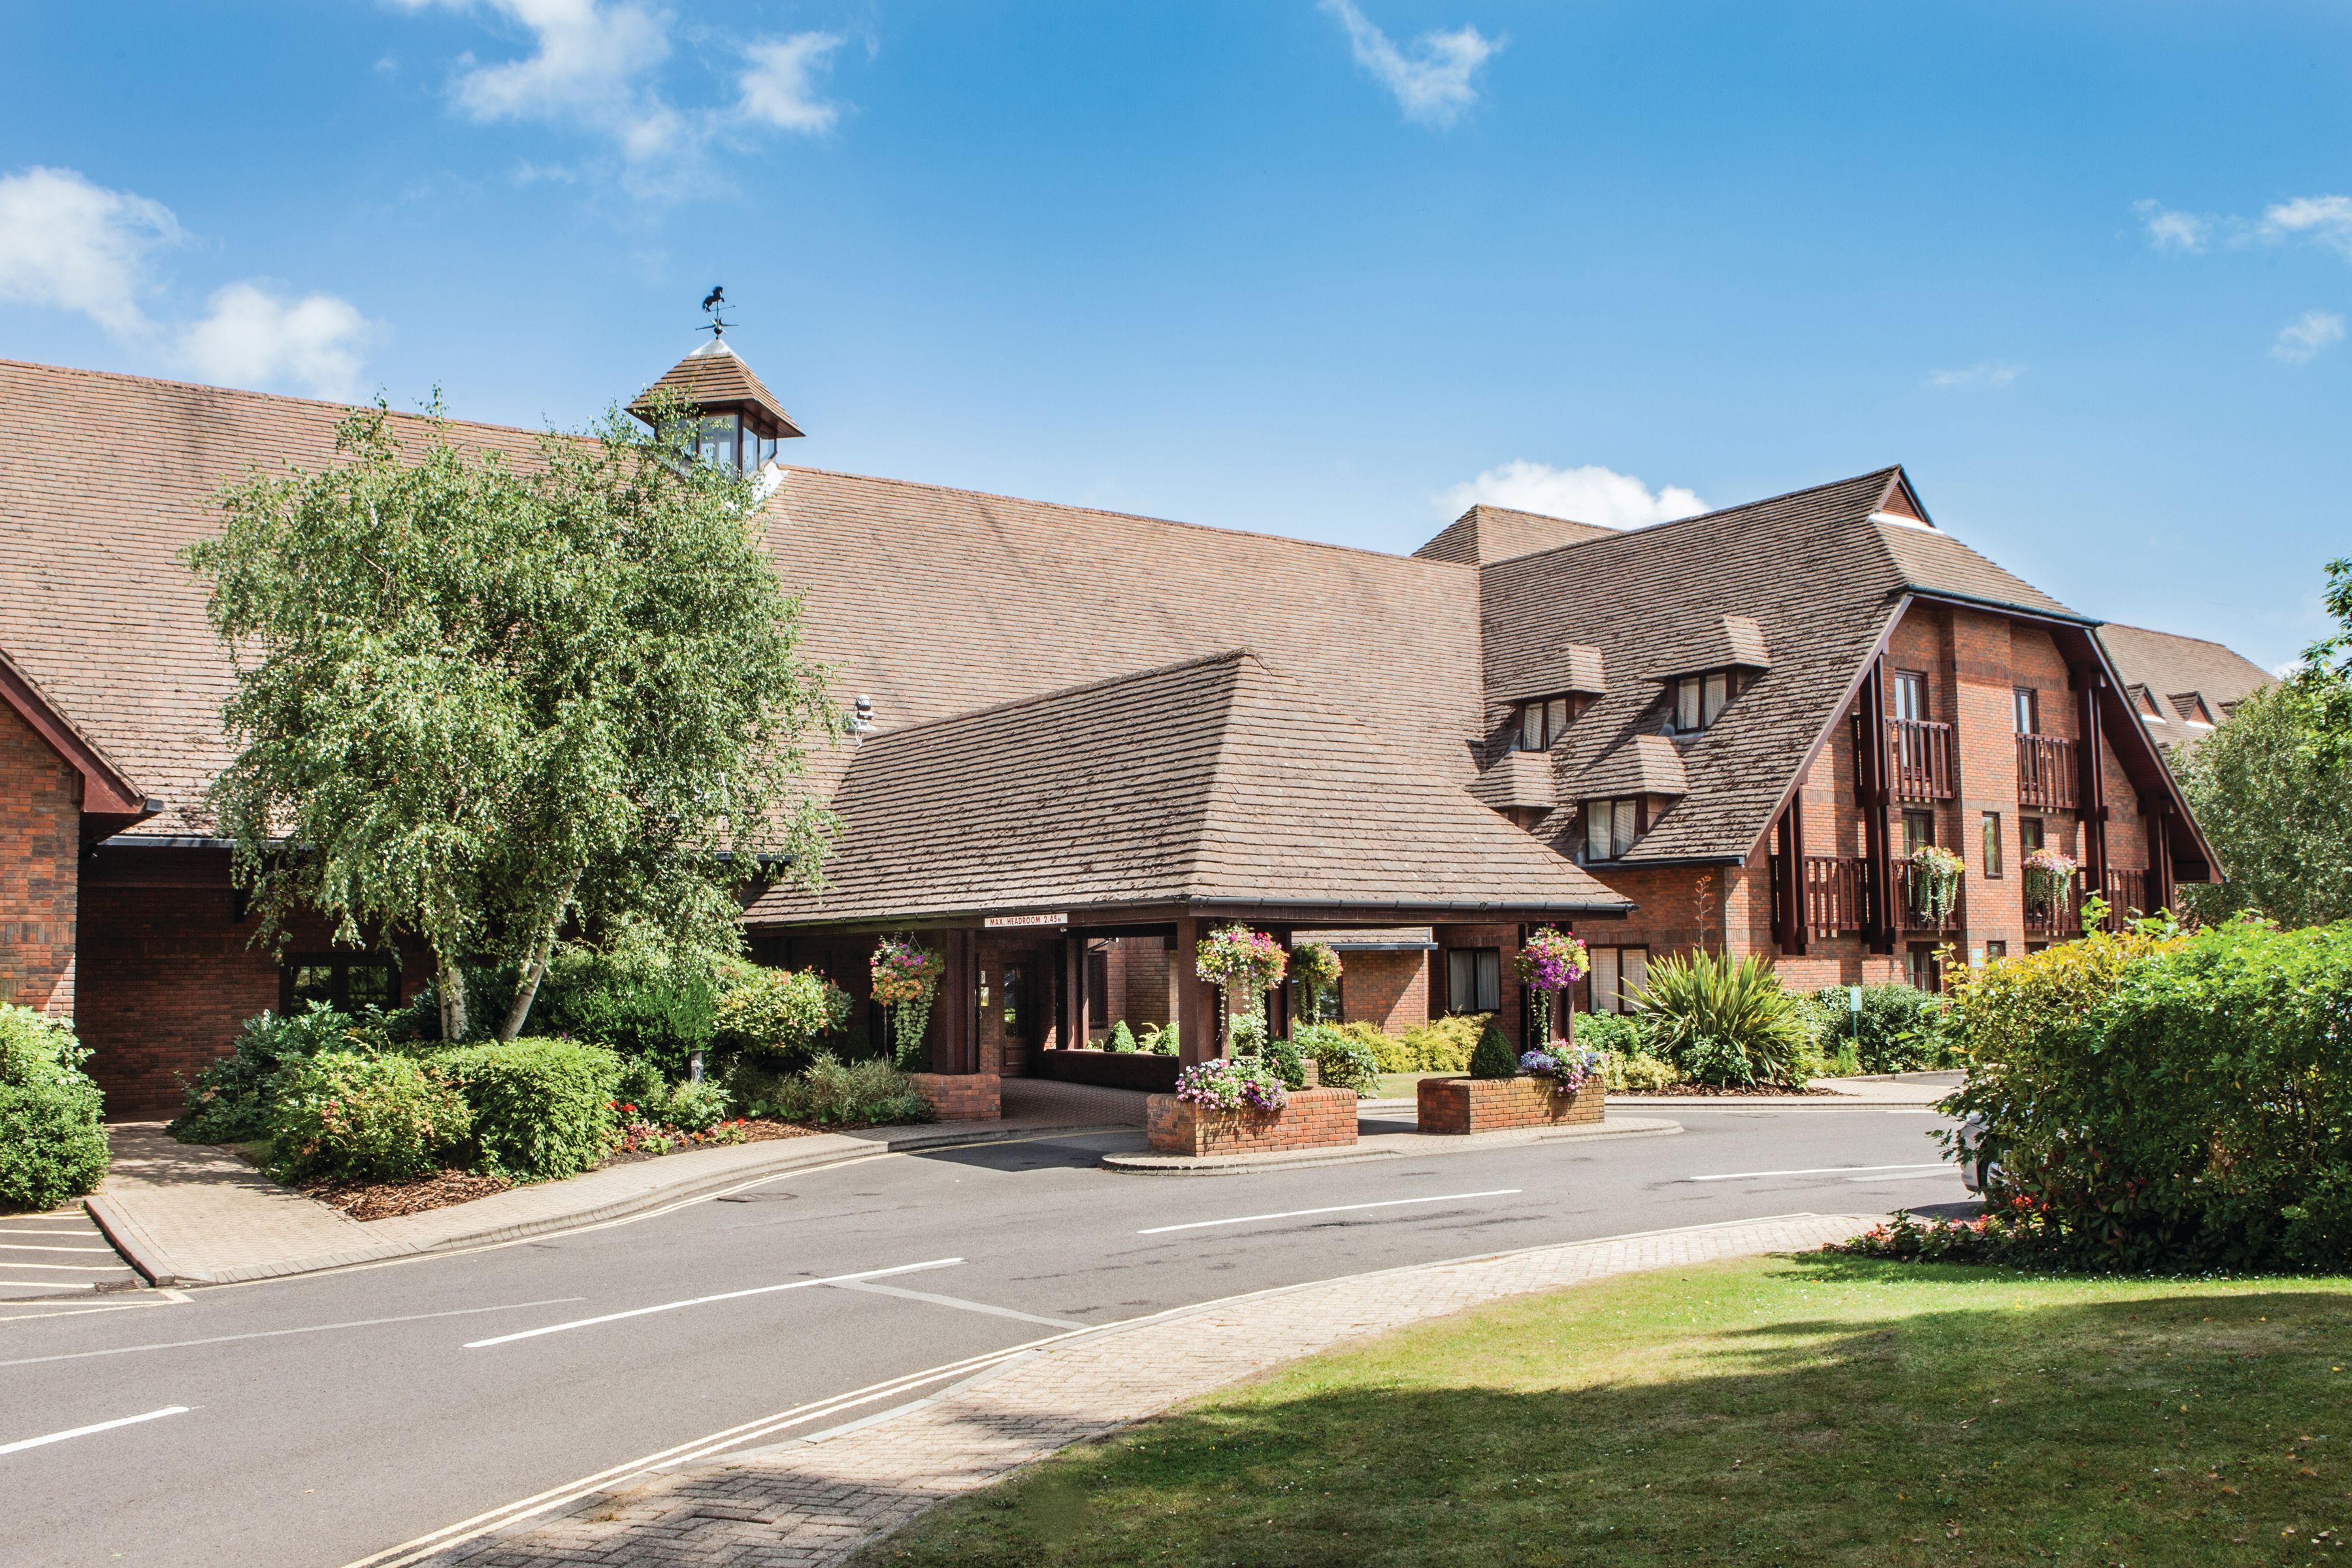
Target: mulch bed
{"type": "Point", "coordinates": [1701, 1089]}
{"type": "Point", "coordinates": [389, 1200]}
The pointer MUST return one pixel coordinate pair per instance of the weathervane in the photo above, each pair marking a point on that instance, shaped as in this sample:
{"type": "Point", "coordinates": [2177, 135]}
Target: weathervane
{"type": "Point", "coordinates": [713, 303]}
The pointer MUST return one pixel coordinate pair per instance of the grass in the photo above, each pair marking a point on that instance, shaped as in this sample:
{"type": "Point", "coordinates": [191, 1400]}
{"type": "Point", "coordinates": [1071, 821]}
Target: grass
{"type": "Point", "coordinates": [1402, 1085]}
{"type": "Point", "coordinates": [1818, 1411]}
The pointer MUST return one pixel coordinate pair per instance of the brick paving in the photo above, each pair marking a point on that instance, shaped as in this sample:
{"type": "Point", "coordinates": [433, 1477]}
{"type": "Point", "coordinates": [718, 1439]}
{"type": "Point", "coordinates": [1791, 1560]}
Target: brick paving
{"type": "Point", "coordinates": [815, 1500]}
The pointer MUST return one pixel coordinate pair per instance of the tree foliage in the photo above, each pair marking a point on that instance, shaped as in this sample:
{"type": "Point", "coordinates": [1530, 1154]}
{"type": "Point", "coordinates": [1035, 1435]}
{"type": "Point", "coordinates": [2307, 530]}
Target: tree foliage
{"type": "Point", "coordinates": [476, 700]}
{"type": "Point", "coordinates": [2271, 787]}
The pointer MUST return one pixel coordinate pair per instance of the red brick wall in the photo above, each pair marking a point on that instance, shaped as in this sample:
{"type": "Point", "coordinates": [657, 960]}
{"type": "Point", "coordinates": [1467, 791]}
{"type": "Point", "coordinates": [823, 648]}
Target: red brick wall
{"type": "Point", "coordinates": [1464, 1105]}
{"type": "Point", "coordinates": [1387, 990]}
{"type": "Point", "coordinates": [40, 847]}
{"type": "Point", "coordinates": [1140, 981]}
{"type": "Point", "coordinates": [1315, 1119]}
{"type": "Point", "coordinates": [961, 1097]}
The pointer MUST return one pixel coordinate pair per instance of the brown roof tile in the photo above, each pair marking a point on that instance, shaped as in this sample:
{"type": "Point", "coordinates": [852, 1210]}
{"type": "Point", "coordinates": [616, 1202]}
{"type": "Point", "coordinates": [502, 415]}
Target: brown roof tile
{"type": "Point", "coordinates": [2169, 666]}
{"type": "Point", "coordinates": [713, 377]}
{"type": "Point", "coordinates": [1489, 534]}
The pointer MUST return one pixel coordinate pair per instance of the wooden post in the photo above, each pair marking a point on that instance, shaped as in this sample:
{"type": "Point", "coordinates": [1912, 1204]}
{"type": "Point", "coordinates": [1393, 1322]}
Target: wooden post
{"type": "Point", "coordinates": [1196, 1003]}
{"type": "Point", "coordinates": [2094, 784]}
{"type": "Point", "coordinates": [955, 1036]}
{"type": "Point", "coordinates": [1075, 1026]}
{"type": "Point", "coordinates": [2159, 855]}
{"type": "Point", "coordinates": [1870, 768]}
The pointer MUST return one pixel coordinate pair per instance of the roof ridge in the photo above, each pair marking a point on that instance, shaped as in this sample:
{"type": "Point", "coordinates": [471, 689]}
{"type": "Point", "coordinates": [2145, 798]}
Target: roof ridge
{"type": "Point", "coordinates": [265, 396]}
{"type": "Point", "coordinates": [1013, 704]}
{"type": "Point", "coordinates": [1717, 514]}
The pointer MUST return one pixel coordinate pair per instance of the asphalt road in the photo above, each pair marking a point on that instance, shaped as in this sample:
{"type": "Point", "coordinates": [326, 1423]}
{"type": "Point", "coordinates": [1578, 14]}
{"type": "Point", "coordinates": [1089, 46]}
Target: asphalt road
{"type": "Point", "coordinates": [317, 1420]}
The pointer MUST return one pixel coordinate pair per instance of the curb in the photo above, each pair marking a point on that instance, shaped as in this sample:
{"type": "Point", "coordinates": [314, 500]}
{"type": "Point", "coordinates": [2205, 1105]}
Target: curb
{"type": "Point", "coordinates": [1384, 1146]}
{"type": "Point", "coordinates": [148, 1257]}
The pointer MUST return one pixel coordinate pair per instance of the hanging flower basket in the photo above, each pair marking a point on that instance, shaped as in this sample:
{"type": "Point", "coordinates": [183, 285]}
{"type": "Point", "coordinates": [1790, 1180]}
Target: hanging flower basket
{"type": "Point", "coordinates": [907, 980]}
{"type": "Point", "coordinates": [2049, 874]}
{"type": "Point", "coordinates": [1934, 882]}
{"type": "Point", "coordinates": [1245, 965]}
{"type": "Point", "coordinates": [1550, 962]}
{"type": "Point", "coordinates": [1316, 966]}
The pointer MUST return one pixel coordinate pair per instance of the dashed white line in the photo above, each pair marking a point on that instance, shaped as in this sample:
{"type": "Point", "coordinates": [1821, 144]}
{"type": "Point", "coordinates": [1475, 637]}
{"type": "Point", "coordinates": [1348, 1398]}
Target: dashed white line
{"type": "Point", "coordinates": [23, 1443]}
{"type": "Point", "coordinates": [1332, 1208]}
{"type": "Point", "coordinates": [706, 1300]}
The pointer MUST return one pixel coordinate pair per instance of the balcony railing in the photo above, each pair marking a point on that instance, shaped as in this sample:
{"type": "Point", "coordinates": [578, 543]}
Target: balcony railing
{"type": "Point", "coordinates": [2127, 895]}
{"type": "Point", "coordinates": [2046, 771]}
{"type": "Point", "coordinates": [1834, 899]}
{"type": "Point", "coordinates": [1907, 905]}
{"type": "Point", "coordinates": [1919, 759]}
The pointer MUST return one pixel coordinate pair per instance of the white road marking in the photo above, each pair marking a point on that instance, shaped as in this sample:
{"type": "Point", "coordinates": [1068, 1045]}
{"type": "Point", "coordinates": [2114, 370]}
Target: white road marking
{"type": "Point", "coordinates": [78, 1268]}
{"type": "Point", "coordinates": [24, 1443]}
{"type": "Point", "coordinates": [281, 1334]}
{"type": "Point", "coordinates": [706, 1300]}
{"type": "Point", "coordinates": [1333, 1208]}
{"type": "Point", "coordinates": [1822, 1171]}
{"type": "Point", "coordinates": [960, 1304]}
{"type": "Point", "coordinates": [28, 1246]}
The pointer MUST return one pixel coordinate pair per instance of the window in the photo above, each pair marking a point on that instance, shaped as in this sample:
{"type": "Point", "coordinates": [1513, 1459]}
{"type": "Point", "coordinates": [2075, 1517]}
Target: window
{"type": "Point", "coordinates": [345, 982]}
{"type": "Point", "coordinates": [1991, 859]}
{"type": "Point", "coordinates": [1474, 979]}
{"type": "Point", "coordinates": [1996, 950]}
{"type": "Point", "coordinates": [2029, 834]}
{"type": "Point", "coordinates": [1015, 987]}
{"type": "Point", "coordinates": [1617, 974]}
{"type": "Point", "coordinates": [1918, 830]}
{"type": "Point", "coordinates": [2145, 701]}
{"type": "Point", "coordinates": [1910, 694]}
{"type": "Point", "coordinates": [1610, 828]}
{"type": "Point", "coordinates": [1700, 699]}
{"type": "Point", "coordinates": [1921, 968]}
{"type": "Point", "coordinates": [721, 436]}
{"type": "Point", "coordinates": [2029, 710]}
{"type": "Point", "coordinates": [1541, 724]}
{"type": "Point", "coordinates": [2192, 709]}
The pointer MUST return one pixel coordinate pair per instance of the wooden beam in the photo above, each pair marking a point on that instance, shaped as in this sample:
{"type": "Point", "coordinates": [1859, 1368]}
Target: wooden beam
{"type": "Point", "coordinates": [1880, 926]}
{"type": "Point", "coordinates": [1196, 1002]}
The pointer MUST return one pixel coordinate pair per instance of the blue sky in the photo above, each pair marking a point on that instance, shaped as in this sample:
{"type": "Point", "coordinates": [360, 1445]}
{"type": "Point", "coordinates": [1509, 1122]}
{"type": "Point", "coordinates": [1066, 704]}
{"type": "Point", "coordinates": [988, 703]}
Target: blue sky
{"type": "Point", "coordinates": [1304, 266]}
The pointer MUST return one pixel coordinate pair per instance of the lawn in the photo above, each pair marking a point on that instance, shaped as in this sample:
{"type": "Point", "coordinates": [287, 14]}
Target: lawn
{"type": "Point", "coordinates": [1817, 1410]}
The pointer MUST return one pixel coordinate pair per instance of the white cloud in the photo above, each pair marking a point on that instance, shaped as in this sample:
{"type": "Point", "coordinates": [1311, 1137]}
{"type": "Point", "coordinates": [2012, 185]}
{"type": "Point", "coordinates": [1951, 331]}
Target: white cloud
{"type": "Point", "coordinates": [69, 245]}
{"type": "Point", "coordinates": [2171, 229]}
{"type": "Point", "coordinates": [776, 87]}
{"type": "Point", "coordinates": [1994, 373]}
{"type": "Point", "coordinates": [1432, 83]}
{"type": "Point", "coordinates": [1589, 494]}
{"type": "Point", "coordinates": [2327, 219]}
{"type": "Point", "coordinates": [2302, 339]}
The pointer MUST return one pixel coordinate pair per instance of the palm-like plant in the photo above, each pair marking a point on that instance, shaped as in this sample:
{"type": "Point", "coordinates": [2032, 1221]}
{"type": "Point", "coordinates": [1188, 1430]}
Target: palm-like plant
{"type": "Point", "coordinates": [1723, 1021]}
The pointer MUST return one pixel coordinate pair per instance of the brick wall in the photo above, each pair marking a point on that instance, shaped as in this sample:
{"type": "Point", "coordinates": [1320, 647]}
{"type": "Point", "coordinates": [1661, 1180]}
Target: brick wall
{"type": "Point", "coordinates": [1465, 1105]}
{"type": "Point", "coordinates": [1140, 981]}
{"type": "Point", "coordinates": [41, 846]}
{"type": "Point", "coordinates": [1315, 1119]}
{"type": "Point", "coordinates": [1387, 990]}
{"type": "Point", "coordinates": [961, 1097]}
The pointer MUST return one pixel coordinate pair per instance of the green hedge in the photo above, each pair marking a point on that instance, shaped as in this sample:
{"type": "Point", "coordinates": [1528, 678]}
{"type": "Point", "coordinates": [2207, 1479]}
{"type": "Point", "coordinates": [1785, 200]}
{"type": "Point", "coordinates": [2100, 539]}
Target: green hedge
{"type": "Point", "coordinates": [350, 1116]}
{"type": "Point", "coordinates": [830, 1093]}
{"type": "Point", "coordinates": [1899, 1028]}
{"type": "Point", "coordinates": [1445, 1045]}
{"type": "Point", "coordinates": [541, 1108]}
{"type": "Point", "coordinates": [52, 1138]}
{"type": "Point", "coordinates": [229, 1100]}
{"type": "Point", "coordinates": [1342, 1059]}
{"type": "Point", "coordinates": [2165, 1102]}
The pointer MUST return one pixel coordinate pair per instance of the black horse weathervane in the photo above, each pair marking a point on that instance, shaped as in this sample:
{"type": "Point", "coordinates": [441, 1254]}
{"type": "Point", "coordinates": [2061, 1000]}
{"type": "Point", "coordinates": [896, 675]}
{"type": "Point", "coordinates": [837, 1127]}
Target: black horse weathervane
{"type": "Point", "coordinates": [712, 304]}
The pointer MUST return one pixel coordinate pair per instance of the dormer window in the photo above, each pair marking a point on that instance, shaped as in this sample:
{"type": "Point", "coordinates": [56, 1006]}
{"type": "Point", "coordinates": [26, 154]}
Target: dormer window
{"type": "Point", "coordinates": [1700, 699]}
{"type": "Point", "coordinates": [2192, 709]}
{"type": "Point", "coordinates": [2145, 701]}
{"type": "Point", "coordinates": [1610, 826]}
{"type": "Point", "coordinates": [1543, 722]}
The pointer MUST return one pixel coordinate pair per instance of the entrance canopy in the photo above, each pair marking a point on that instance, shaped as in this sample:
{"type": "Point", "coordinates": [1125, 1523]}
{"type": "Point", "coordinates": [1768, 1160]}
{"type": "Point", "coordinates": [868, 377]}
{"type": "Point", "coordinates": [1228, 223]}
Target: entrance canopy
{"type": "Point", "coordinates": [1209, 789]}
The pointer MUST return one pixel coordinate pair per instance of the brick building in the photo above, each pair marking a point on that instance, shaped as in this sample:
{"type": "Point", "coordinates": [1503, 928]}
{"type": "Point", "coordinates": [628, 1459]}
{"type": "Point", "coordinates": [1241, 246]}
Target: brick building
{"type": "Point", "coordinates": [1093, 733]}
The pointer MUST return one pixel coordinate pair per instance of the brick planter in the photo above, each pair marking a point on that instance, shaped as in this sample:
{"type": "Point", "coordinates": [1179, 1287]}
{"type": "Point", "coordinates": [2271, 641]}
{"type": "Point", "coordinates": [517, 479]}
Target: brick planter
{"type": "Point", "coordinates": [1497, 1104]}
{"type": "Point", "coordinates": [962, 1096]}
{"type": "Point", "coordinates": [1315, 1119]}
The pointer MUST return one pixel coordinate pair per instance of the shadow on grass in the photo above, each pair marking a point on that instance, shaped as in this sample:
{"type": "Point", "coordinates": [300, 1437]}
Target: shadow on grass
{"type": "Point", "coordinates": [1842, 1413]}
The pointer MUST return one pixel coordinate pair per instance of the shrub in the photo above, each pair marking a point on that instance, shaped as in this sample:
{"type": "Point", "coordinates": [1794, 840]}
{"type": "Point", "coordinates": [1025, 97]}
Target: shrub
{"type": "Point", "coordinates": [1121, 1037]}
{"type": "Point", "coordinates": [830, 1092]}
{"type": "Point", "coordinates": [635, 998]}
{"type": "Point", "coordinates": [1723, 1021]}
{"type": "Point", "coordinates": [542, 1109]}
{"type": "Point", "coordinates": [52, 1139]}
{"type": "Point", "coordinates": [1389, 1053]}
{"type": "Point", "coordinates": [1444, 1045]}
{"type": "Point", "coordinates": [698, 1107]}
{"type": "Point", "coordinates": [1159, 1040]}
{"type": "Point", "coordinates": [354, 1116]}
{"type": "Point", "coordinates": [777, 1014]}
{"type": "Point", "coordinates": [228, 1100]}
{"type": "Point", "coordinates": [2155, 1101]}
{"type": "Point", "coordinates": [1619, 1033]}
{"type": "Point", "coordinates": [644, 1092]}
{"type": "Point", "coordinates": [1494, 1056]}
{"type": "Point", "coordinates": [1899, 1030]}
{"type": "Point", "coordinates": [1342, 1060]}
{"type": "Point", "coordinates": [1287, 1061]}
{"type": "Point", "coordinates": [1639, 1072]}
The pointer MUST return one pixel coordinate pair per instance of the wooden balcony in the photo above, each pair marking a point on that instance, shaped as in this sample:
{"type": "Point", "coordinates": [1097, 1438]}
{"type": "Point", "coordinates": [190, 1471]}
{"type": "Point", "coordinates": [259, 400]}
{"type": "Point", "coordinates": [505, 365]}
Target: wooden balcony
{"type": "Point", "coordinates": [1919, 759]}
{"type": "Point", "coordinates": [1835, 901]}
{"type": "Point", "coordinates": [1907, 909]}
{"type": "Point", "coordinates": [2059, 920]}
{"type": "Point", "coordinates": [2047, 775]}
{"type": "Point", "coordinates": [2126, 896]}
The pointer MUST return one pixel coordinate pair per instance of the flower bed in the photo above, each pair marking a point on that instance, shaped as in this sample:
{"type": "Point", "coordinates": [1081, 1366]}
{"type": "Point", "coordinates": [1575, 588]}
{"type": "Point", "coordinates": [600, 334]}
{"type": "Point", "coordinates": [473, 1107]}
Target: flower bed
{"type": "Point", "coordinates": [1464, 1105]}
{"type": "Point", "coordinates": [1308, 1118]}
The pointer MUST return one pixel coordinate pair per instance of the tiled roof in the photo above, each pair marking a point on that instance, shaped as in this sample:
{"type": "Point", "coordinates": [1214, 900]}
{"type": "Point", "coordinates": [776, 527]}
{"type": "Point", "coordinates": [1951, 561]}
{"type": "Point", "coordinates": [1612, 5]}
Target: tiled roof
{"type": "Point", "coordinates": [712, 376]}
{"type": "Point", "coordinates": [1570, 667]}
{"type": "Point", "coordinates": [1641, 764]}
{"type": "Point", "coordinates": [1214, 781]}
{"type": "Point", "coordinates": [2169, 667]}
{"type": "Point", "coordinates": [1516, 778]}
{"type": "Point", "coordinates": [1490, 533]}
{"type": "Point", "coordinates": [1732, 642]}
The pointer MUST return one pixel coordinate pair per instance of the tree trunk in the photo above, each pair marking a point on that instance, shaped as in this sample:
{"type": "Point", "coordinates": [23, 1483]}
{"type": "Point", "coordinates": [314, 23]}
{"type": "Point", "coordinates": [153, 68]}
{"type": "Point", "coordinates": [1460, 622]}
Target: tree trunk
{"type": "Point", "coordinates": [527, 989]}
{"type": "Point", "coordinates": [451, 987]}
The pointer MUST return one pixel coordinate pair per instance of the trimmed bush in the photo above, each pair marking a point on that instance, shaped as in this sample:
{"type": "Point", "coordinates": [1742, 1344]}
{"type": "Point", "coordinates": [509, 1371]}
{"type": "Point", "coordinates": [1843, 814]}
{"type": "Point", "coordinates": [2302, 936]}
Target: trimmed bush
{"type": "Point", "coordinates": [1120, 1038]}
{"type": "Point", "coordinates": [229, 1100]}
{"type": "Point", "coordinates": [1494, 1056]}
{"type": "Point", "coordinates": [2155, 1101]}
{"type": "Point", "coordinates": [1159, 1040]}
{"type": "Point", "coordinates": [1723, 1021]}
{"type": "Point", "coordinates": [52, 1142]}
{"type": "Point", "coordinates": [637, 1000]}
{"type": "Point", "coordinates": [1389, 1053]}
{"type": "Point", "coordinates": [830, 1092]}
{"type": "Point", "coordinates": [1341, 1060]}
{"type": "Point", "coordinates": [1287, 1061]}
{"type": "Point", "coordinates": [779, 1016]}
{"type": "Point", "coordinates": [354, 1116]}
{"type": "Point", "coordinates": [698, 1107]}
{"type": "Point", "coordinates": [542, 1109]}
{"type": "Point", "coordinates": [1444, 1045]}
{"type": "Point", "coordinates": [1639, 1072]}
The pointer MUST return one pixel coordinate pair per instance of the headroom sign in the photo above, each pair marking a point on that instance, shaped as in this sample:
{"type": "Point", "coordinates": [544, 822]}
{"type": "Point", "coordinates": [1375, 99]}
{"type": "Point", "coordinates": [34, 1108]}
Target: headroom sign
{"type": "Point", "coordinates": [1014, 922]}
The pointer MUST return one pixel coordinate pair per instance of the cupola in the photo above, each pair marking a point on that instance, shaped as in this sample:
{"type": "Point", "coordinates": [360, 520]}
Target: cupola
{"type": "Point", "coordinates": [743, 422]}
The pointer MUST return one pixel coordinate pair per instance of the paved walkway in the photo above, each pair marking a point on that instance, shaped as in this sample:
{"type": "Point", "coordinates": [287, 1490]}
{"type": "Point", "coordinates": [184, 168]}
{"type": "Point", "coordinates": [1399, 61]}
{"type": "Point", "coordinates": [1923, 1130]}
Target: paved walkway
{"type": "Point", "coordinates": [814, 1500]}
